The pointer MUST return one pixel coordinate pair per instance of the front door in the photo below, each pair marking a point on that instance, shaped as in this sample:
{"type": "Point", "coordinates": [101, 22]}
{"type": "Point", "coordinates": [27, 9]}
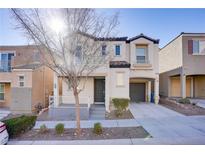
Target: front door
{"type": "Point", "coordinates": [137, 92]}
{"type": "Point", "coordinates": [99, 90]}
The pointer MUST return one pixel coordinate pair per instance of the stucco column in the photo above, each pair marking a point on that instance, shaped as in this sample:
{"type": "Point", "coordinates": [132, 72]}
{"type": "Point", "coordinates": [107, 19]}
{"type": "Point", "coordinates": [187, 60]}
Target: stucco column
{"type": "Point", "coordinates": [107, 92]}
{"type": "Point", "coordinates": [55, 90]}
{"type": "Point", "coordinates": [192, 86]}
{"type": "Point", "coordinates": [156, 90]}
{"type": "Point", "coordinates": [183, 85]}
{"type": "Point", "coordinates": [149, 91]}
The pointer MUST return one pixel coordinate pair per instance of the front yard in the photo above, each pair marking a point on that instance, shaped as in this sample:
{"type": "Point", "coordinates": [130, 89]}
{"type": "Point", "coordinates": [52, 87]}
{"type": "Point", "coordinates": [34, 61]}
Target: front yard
{"type": "Point", "coordinates": [86, 134]}
{"type": "Point", "coordinates": [188, 109]}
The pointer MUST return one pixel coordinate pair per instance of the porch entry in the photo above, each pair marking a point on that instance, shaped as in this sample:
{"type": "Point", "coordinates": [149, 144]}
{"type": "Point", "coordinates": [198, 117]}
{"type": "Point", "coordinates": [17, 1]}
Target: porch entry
{"type": "Point", "coordinates": [137, 92]}
{"type": "Point", "coordinates": [99, 91]}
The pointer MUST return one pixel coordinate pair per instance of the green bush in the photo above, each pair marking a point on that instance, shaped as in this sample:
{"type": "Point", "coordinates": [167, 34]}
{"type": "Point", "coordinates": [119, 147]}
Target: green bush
{"type": "Point", "coordinates": [43, 129]}
{"type": "Point", "coordinates": [18, 125]}
{"type": "Point", "coordinates": [97, 128]}
{"type": "Point", "coordinates": [120, 105]}
{"type": "Point", "coordinates": [184, 101]}
{"type": "Point", "coordinates": [59, 128]}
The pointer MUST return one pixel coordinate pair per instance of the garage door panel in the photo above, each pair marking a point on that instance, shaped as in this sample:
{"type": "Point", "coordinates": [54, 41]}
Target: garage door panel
{"type": "Point", "coordinates": [175, 87]}
{"type": "Point", "coordinates": [200, 86]}
{"type": "Point", "coordinates": [137, 92]}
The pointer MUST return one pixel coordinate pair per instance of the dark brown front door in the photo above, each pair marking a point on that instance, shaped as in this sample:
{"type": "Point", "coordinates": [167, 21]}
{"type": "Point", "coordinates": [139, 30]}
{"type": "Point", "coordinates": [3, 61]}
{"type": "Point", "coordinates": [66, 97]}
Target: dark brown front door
{"type": "Point", "coordinates": [99, 90]}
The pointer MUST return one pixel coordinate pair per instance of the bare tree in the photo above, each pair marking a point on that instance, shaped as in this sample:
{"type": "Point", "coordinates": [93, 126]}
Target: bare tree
{"type": "Point", "coordinates": [71, 42]}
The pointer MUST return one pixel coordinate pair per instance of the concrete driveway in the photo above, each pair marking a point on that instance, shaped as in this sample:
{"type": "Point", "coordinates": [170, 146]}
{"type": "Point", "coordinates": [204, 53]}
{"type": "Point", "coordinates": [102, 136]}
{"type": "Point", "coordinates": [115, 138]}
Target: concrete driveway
{"type": "Point", "coordinates": [168, 126]}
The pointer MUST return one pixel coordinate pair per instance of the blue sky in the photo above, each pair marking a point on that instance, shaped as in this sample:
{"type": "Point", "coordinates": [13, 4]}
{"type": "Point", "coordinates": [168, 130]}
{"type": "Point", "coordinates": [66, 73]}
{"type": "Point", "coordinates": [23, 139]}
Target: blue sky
{"type": "Point", "coordinates": [163, 24]}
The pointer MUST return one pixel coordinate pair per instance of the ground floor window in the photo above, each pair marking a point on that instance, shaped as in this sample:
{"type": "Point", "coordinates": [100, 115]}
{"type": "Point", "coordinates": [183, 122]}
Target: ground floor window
{"type": "Point", "coordinates": [1, 91]}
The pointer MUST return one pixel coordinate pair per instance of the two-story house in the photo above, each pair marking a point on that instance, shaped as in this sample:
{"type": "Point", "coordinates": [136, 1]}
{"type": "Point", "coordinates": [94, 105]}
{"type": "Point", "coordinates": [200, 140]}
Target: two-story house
{"type": "Point", "coordinates": [24, 81]}
{"type": "Point", "coordinates": [132, 73]}
{"type": "Point", "coordinates": [182, 66]}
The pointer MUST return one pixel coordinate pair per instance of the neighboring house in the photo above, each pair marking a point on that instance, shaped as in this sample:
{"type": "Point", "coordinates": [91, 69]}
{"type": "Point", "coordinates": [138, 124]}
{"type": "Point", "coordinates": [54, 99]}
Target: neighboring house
{"type": "Point", "coordinates": [24, 82]}
{"type": "Point", "coordinates": [133, 73]}
{"type": "Point", "coordinates": [182, 66]}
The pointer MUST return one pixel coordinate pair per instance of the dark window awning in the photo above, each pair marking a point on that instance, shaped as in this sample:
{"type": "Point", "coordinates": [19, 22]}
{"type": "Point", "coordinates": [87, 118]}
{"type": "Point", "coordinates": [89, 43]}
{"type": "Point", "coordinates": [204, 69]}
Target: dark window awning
{"type": "Point", "coordinates": [119, 64]}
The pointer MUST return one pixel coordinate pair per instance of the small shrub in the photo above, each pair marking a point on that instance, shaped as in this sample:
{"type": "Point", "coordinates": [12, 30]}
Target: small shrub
{"type": "Point", "coordinates": [59, 128]}
{"type": "Point", "coordinates": [18, 125]}
{"type": "Point", "coordinates": [43, 129]}
{"type": "Point", "coordinates": [120, 105]}
{"type": "Point", "coordinates": [97, 128]}
{"type": "Point", "coordinates": [184, 101]}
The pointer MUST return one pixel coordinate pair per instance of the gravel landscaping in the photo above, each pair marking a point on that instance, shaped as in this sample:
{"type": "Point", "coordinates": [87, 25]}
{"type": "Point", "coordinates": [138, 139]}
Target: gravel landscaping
{"type": "Point", "coordinates": [185, 109]}
{"type": "Point", "coordinates": [87, 134]}
{"type": "Point", "coordinates": [125, 115]}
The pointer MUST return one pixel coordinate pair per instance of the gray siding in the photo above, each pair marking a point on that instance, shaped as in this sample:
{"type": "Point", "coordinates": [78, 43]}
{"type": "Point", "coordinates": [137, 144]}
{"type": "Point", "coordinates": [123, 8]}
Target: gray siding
{"type": "Point", "coordinates": [21, 99]}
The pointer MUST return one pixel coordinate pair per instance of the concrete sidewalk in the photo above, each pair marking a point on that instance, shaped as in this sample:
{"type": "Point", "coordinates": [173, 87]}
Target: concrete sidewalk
{"type": "Point", "coordinates": [133, 141]}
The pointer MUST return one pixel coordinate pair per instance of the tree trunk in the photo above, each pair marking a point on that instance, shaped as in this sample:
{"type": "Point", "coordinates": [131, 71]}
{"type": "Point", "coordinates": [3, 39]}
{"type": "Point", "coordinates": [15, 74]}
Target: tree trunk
{"type": "Point", "coordinates": [77, 110]}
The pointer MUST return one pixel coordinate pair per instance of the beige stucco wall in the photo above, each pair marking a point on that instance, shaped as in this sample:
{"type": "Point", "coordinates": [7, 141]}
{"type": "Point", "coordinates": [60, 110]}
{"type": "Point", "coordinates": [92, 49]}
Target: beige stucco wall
{"type": "Point", "coordinates": [192, 64]}
{"type": "Point", "coordinates": [85, 97]}
{"type": "Point", "coordinates": [6, 77]}
{"type": "Point", "coordinates": [27, 77]}
{"type": "Point", "coordinates": [152, 56]}
{"type": "Point", "coordinates": [38, 89]}
{"type": "Point", "coordinates": [115, 90]}
{"type": "Point", "coordinates": [170, 57]}
{"type": "Point", "coordinates": [23, 54]}
{"type": "Point", "coordinates": [42, 86]}
{"type": "Point", "coordinates": [123, 56]}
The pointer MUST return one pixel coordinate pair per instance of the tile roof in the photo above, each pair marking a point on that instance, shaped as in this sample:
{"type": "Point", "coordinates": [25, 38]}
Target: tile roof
{"type": "Point", "coordinates": [156, 41]}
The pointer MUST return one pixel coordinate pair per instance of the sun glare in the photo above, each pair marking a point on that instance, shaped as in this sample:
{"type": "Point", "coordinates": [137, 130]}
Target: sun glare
{"type": "Point", "coordinates": [57, 25]}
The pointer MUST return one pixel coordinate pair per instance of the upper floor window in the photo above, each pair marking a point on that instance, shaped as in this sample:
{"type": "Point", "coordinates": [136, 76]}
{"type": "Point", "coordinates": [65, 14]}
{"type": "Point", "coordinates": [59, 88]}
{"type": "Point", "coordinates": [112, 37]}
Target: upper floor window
{"type": "Point", "coordinates": [198, 47]}
{"type": "Point", "coordinates": [104, 49]}
{"type": "Point", "coordinates": [117, 50]}
{"type": "Point", "coordinates": [21, 80]}
{"type": "Point", "coordinates": [2, 92]}
{"type": "Point", "coordinates": [5, 62]}
{"type": "Point", "coordinates": [141, 54]}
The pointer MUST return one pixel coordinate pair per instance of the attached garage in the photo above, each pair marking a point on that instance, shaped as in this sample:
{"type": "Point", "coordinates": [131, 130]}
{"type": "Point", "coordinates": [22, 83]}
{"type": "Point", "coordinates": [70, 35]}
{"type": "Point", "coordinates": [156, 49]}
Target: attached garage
{"type": "Point", "coordinates": [137, 92]}
{"type": "Point", "coordinates": [176, 87]}
{"type": "Point", "coordinates": [199, 86]}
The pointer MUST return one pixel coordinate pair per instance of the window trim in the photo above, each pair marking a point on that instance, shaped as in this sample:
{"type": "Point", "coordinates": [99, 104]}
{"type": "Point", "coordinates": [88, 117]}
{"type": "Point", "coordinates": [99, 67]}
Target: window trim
{"type": "Point", "coordinates": [2, 100]}
{"type": "Point", "coordinates": [7, 53]}
{"type": "Point", "coordinates": [120, 50]}
{"type": "Point", "coordinates": [199, 52]}
{"type": "Point", "coordinates": [21, 81]}
{"type": "Point", "coordinates": [142, 46]}
{"type": "Point", "coordinates": [123, 81]}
